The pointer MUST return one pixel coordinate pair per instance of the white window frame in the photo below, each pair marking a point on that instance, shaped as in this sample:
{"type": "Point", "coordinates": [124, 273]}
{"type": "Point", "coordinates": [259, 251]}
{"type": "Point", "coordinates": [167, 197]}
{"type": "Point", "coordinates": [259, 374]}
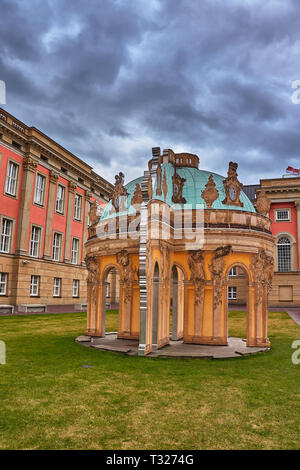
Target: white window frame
{"type": "Point", "coordinates": [74, 252]}
{"type": "Point", "coordinates": [3, 283]}
{"type": "Point", "coordinates": [6, 235]}
{"type": "Point", "coordinates": [233, 271]}
{"type": "Point", "coordinates": [34, 285]}
{"type": "Point", "coordinates": [56, 246]}
{"type": "Point", "coordinates": [57, 287]}
{"type": "Point", "coordinates": [283, 209]}
{"type": "Point", "coordinates": [39, 190]}
{"type": "Point", "coordinates": [76, 284]}
{"type": "Point", "coordinates": [11, 182]}
{"type": "Point", "coordinates": [60, 199]}
{"type": "Point", "coordinates": [77, 206]}
{"type": "Point", "coordinates": [232, 293]}
{"type": "Point", "coordinates": [287, 262]}
{"type": "Point", "coordinates": [35, 241]}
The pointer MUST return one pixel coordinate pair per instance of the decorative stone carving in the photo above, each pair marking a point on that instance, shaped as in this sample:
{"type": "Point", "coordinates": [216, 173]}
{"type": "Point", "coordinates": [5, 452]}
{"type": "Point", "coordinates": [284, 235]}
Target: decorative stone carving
{"type": "Point", "coordinates": [158, 180]}
{"type": "Point", "coordinates": [232, 187]}
{"type": "Point", "coordinates": [72, 186]}
{"type": "Point", "coordinates": [119, 193]}
{"type": "Point", "coordinates": [150, 188]}
{"type": "Point", "coordinates": [262, 268]}
{"type": "Point", "coordinates": [178, 183]}
{"type": "Point", "coordinates": [263, 203]}
{"type": "Point", "coordinates": [29, 163]}
{"type": "Point", "coordinates": [217, 272]}
{"type": "Point", "coordinates": [123, 259]}
{"type": "Point", "coordinates": [210, 194]}
{"type": "Point", "coordinates": [93, 214]}
{"type": "Point", "coordinates": [165, 185]}
{"type": "Point", "coordinates": [196, 265]}
{"type": "Point", "coordinates": [137, 197]}
{"type": "Point", "coordinates": [92, 266]}
{"type": "Point", "coordinates": [53, 177]}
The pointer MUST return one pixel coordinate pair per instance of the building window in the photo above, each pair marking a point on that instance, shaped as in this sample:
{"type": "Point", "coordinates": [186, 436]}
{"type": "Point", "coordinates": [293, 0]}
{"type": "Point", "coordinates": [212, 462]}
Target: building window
{"type": "Point", "coordinates": [39, 191]}
{"type": "Point", "coordinates": [11, 179]}
{"type": "Point", "coordinates": [56, 287]}
{"type": "Point", "coordinates": [6, 235]}
{"type": "Point", "coordinates": [56, 246]}
{"type": "Point", "coordinates": [233, 271]}
{"type": "Point", "coordinates": [231, 292]}
{"type": "Point", "coordinates": [35, 241]}
{"type": "Point", "coordinates": [60, 199]}
{"type": "Point", "coordinates": [75, 288]}
{"type": "Point", "coordinates": [282, 215]}
{"type": "Point", "coordinates": [34, 286]}
{"type": "Point", "coordinates": [284, 254]}
{"type": "Point", "coordinates": [3, 283]}
{"type": "Point", "coordinates": [75, 251]}
{"type": "Point", "coordinates": [77, 207]}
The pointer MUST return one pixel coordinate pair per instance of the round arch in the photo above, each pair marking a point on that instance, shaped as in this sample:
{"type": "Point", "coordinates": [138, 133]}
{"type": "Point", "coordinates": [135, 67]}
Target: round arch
{"type": "Point", "coordinates": [245, 285]}
{"type": "Point", "coordinates": [293, 250]}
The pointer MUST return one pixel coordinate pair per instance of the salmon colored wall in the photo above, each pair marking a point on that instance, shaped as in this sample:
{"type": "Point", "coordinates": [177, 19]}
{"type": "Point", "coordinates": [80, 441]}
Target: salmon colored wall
{"type": "Point", "coordinates": [9, 205]}
{"type": "Point", "coordinates": [38, 214]}
{"type": "Point", "coordinates": [289, 227]}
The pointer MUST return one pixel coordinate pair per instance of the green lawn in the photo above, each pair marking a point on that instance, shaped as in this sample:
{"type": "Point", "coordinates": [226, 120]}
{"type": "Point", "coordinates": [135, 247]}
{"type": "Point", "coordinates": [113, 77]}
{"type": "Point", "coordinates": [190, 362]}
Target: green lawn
{"type": "Point", "coordinates": [49, 401]}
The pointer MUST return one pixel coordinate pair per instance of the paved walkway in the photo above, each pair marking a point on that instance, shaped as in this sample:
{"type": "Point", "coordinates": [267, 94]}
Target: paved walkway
{"type": "Point", "coordinates": [236, 348]}
{"type": "Point", "coordinates": [294, 313]}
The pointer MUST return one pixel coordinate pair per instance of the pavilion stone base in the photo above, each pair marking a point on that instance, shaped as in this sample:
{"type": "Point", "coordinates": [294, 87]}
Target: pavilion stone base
{"type": "Point", "coordinates": [236, 347]}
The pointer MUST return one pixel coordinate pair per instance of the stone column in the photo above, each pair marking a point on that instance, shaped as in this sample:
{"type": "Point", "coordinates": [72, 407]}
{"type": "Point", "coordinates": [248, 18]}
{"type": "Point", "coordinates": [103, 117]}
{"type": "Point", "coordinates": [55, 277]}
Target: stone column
{"type": "Point", "coordinates": [29, 167]}
{"type": "Point", "coordinates": [67, 257]}
{"type": "Point", "coordinates": [297, 205]}
{"type": "Point", "coordinates": [53, 177]}
{"type": "Point", "coordinates": [87, 197]}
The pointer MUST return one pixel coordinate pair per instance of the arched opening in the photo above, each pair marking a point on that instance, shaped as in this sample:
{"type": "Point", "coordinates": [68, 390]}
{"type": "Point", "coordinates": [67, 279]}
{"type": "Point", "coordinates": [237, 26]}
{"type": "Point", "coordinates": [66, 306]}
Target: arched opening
{"type": "Point", "coordinates": [284, 254]}
{"type": "Point", "coordinates": [111, 283]}
{"type": "Point", "coordinates": [177, 304]}
{"type": "Point", "coordinates": [237, 301]}
{"type": "Point", "coordinates": [155, 306]}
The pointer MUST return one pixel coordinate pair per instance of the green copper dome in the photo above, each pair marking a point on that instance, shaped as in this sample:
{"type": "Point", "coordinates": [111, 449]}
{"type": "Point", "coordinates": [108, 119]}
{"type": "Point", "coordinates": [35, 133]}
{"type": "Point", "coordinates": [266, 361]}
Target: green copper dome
{"type": "Point", "coordinates": [195, 181]}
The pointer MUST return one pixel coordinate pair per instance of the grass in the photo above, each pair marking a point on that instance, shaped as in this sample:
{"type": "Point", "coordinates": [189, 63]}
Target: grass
{"type": "Point", "coordinates": [49, 401]}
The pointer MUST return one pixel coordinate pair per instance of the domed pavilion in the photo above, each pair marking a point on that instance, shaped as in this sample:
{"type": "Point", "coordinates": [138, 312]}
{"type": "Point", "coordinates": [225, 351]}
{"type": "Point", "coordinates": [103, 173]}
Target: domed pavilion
{"type": "Point", "coordinates": [170, 238]}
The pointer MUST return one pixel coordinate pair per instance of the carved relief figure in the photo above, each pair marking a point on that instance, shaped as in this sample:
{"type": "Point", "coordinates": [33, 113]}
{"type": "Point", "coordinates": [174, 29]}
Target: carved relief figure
{"type": "Point", "coordinates": [217, 272]}
{"type": "Point", "coordinates": [158, 180]}
{"type": "Point", "coordinates": [165, 186]}
{"type": "Point", "coordinates": [263, 203]}
{"type": "Point", "coordinates": [210, 194]}
{"type": "Point", "coordinates": [232, 187]}
{"type": "Point", "coordinates": [92, 265]}
{"type": "Point", "coordinates": [262, 267]}
{"type": "Point", "coordinates": [196, 265]}
{"type": "Point", "coordinates": [178, 183]}
{"type": "Point", "coordinates": [123, 259]}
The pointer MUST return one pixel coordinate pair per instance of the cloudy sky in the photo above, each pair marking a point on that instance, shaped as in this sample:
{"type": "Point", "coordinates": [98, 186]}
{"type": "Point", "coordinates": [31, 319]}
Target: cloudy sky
{"type": "Point", "coordinates": [110, 79]}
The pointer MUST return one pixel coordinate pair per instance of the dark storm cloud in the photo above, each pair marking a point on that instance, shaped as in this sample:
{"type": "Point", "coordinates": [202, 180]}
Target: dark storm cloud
{"type": "Point", "coordinates": [109, 79]}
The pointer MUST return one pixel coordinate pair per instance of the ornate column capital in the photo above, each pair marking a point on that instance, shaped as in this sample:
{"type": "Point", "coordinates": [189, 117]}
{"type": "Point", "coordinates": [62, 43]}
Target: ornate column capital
{"type": "Point", "coordinates": [297, 205]}
{"type": "Point", "coordinates": [87, 195]}
{"type": "Point", "coordinates": [72, 186]}
{"type": "Point", "coordinates": [53, 177]}
{"type": "Point", "coordinates": [29, 163]}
